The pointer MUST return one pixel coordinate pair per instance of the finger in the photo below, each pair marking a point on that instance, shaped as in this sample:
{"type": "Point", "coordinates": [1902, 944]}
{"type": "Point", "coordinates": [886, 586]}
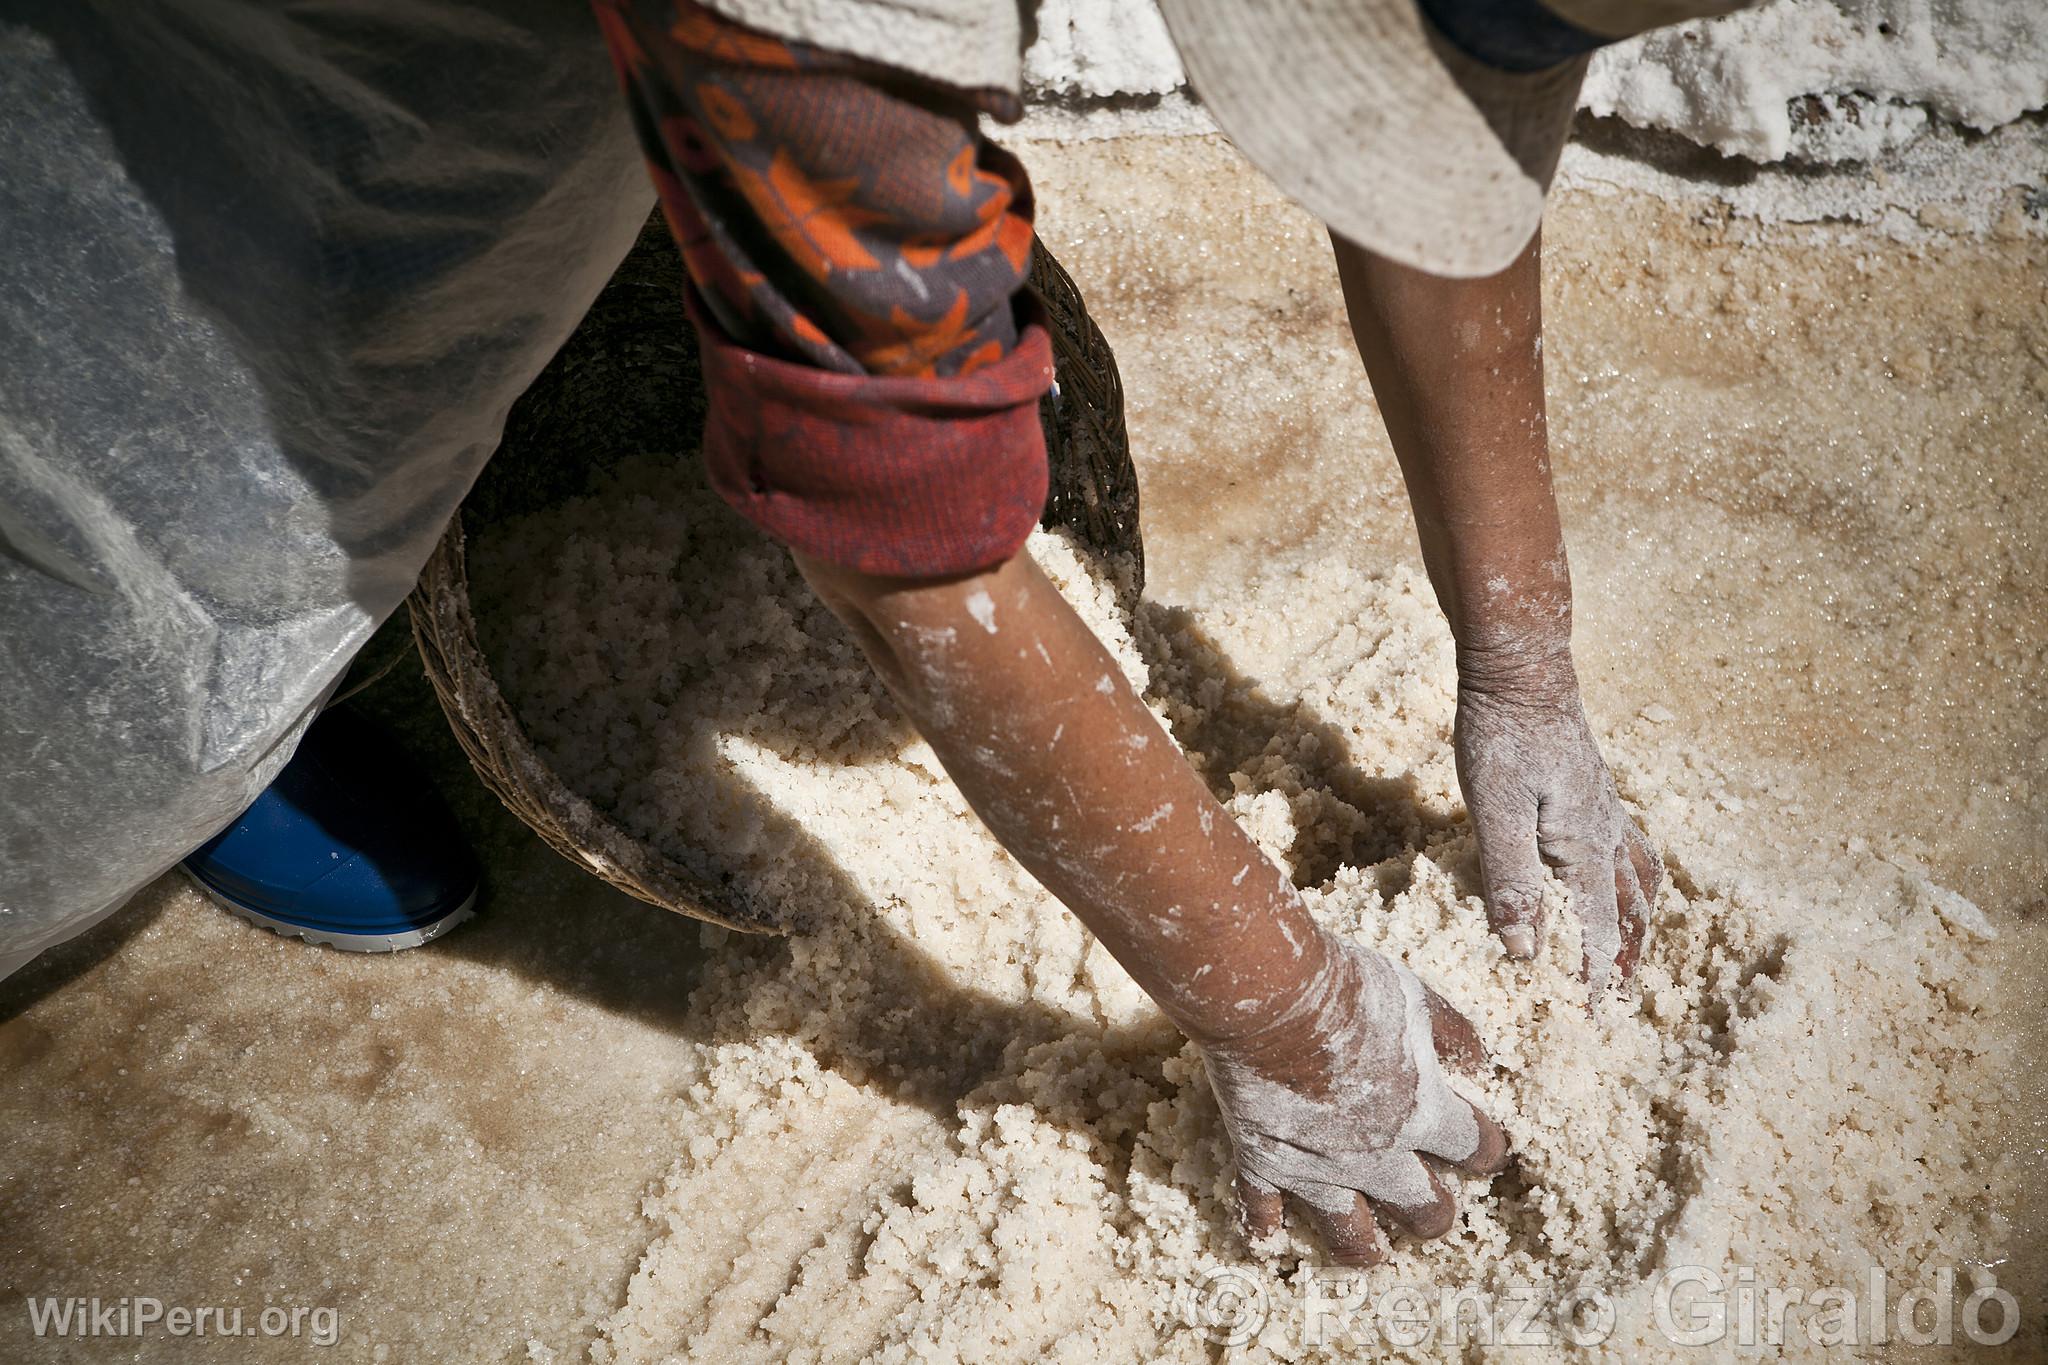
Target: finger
{"type": "Point", "coordinates": [1258, 1207]}
{"type": "Point", "coordinates": [1490, 1157]}
{"type": "Point", "coordinates": [1434, 1216]}
{"type": "Point", "coordinates": [1457, 1042]}
{"type": "Point", "coordinates": [1591, 885]}
{"type": "Point", "coordinates": [1345, 1224]}
{"type": "Point", "coordinates": [1445, 1124]}
{"type": "Point", "coordinates": [1635, 914]}
{"type": "Point", "coordinates": [1511, 872]}
{"type": "Point", "coordinates": [1643, 855]}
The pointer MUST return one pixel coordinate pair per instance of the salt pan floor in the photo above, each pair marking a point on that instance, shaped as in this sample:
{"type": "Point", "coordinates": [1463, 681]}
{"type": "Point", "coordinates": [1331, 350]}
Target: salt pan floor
{"type": "Point", "coordinates": [1799, 470]}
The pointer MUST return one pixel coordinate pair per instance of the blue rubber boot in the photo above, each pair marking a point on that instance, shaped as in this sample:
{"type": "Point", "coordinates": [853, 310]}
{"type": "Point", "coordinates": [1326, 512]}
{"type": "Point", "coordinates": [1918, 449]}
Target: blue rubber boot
{"type": "Point", "coordinates": [349, 846]}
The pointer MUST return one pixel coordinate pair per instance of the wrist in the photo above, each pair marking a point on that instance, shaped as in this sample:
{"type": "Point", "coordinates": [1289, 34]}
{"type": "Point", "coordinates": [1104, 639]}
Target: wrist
{"type": "Point", "coordinates": [1518, 663]}
{"type": "Point", "coordinates": [1507, 604]}
{"type": "Point", "coordinates": [1301, 1022]}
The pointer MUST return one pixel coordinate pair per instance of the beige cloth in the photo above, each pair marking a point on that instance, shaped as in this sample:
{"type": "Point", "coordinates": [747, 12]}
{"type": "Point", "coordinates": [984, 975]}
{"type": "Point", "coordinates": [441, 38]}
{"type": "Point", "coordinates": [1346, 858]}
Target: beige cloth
{"type": "Point", "coordinates": [967, 44]}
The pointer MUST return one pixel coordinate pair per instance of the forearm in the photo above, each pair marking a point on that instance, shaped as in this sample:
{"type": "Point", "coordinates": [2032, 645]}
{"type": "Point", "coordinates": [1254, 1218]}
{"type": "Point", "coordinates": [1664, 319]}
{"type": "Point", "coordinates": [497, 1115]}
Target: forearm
{"type": "Point", "coordinates": [1457, 369]}
{"type": "Point", "coordinates": [1033, 720]}
{"type": "Point", "coordinates": [1457, 366]}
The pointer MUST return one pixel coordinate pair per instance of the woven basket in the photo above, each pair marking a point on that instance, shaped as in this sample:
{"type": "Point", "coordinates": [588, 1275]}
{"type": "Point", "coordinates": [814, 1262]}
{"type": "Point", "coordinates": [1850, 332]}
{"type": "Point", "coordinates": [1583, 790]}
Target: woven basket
{"type": "Point", "coordinates": [628, 381]}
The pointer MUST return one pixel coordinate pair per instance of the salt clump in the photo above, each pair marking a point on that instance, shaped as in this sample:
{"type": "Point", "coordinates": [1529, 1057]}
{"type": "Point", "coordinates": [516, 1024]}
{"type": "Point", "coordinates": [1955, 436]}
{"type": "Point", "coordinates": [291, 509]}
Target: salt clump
{"type": "Point", "coordinates": [944, 1124]}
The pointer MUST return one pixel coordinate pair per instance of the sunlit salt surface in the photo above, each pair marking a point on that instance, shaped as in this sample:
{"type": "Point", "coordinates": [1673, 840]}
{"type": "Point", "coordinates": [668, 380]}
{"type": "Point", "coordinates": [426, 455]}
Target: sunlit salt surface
{"type": "Point", "coordinates": [1797, 467]}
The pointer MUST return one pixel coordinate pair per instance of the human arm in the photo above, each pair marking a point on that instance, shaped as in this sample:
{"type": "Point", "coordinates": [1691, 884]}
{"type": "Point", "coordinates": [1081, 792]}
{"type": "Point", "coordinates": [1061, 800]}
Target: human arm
{"type": "Point", "coordinates": [873, 403]}
{"type": "Point", "coordinates": [1324, 1057]}
{"type": "Point", "coordinates": [1457, 368]}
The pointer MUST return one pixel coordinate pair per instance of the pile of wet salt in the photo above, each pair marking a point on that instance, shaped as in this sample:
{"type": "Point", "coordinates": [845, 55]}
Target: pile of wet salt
{"type": "Point", "coordinates": [942, 1123]}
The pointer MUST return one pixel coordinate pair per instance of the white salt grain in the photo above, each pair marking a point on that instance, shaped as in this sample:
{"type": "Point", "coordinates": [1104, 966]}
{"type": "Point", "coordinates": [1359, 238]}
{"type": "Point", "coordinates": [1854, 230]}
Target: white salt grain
{"type": "Point", "coordinates": [944, 1124]}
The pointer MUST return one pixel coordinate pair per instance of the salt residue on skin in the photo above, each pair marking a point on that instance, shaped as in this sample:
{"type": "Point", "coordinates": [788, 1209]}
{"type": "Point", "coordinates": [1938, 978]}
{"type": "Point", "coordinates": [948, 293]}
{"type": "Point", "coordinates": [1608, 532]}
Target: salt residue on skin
{"type": "Point", "coordinates": [946, 1124]}
{"type": "Point", "coordinates": [1389, 1099]}
{"type": "Point", "coordinates": [983, 609]}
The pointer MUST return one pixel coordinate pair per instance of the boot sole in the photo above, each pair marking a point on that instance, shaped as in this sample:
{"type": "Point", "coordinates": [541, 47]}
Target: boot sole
{"type": "Point", "coordinates": [347, 943]}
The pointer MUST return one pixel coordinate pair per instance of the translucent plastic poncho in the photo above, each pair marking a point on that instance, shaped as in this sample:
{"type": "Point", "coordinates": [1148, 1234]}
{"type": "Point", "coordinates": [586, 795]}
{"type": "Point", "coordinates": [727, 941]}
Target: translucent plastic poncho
{"type": "Point", "coordinates": [270, 277]}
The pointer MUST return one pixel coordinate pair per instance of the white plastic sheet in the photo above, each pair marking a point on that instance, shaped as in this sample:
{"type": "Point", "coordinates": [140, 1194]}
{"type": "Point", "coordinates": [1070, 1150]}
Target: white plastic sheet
{"type": "Point", "coordinates": [270, 277]}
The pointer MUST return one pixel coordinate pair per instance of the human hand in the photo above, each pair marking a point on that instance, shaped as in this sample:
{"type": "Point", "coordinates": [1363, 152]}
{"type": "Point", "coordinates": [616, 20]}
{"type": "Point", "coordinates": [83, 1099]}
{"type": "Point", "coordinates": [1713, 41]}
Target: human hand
{"type": "Point", "coordinates": [1338, 1102]}
{"type": "Point", "coordinates": [1539, 793]}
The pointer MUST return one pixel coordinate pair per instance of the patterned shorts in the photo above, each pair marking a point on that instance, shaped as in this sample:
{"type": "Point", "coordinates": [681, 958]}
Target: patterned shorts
{"type": "Point", "coordinates": [857, 253]}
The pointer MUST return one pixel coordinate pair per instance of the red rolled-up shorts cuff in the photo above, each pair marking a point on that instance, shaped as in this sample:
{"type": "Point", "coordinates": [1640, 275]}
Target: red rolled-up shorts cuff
{"type": "Point", "coordinates": [916, 477]}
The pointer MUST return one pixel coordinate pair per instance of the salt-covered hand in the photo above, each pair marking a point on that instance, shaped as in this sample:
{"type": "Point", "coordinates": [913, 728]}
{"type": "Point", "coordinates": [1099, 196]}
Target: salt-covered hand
{"type": "Point", "coordinates": [1539, 793]}
{"type": "Point", "coordinates": [1337, 1104]}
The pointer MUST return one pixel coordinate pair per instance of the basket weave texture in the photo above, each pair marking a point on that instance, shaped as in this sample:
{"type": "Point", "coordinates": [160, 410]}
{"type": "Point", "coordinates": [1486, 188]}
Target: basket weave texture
{"type": "Point", "coordinates": [628, 381]}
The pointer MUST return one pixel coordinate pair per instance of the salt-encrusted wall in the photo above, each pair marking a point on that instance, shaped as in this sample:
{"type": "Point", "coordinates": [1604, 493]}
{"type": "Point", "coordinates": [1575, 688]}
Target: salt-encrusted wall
{"type": "Point", "coordinates": [1826, 80]}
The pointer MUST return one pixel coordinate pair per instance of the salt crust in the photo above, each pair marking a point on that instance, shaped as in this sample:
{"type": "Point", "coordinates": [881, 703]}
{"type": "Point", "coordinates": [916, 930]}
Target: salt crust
{"type": "Point", "coordinates": [944, 1125]}
{"type": "Point", "coordinates": [1823, 81]}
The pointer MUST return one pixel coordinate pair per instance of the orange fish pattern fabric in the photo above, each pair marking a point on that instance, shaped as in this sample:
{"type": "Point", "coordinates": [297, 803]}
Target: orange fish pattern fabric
{"type": "Point", "coordinates": [857, 254]}
{"type": "Point", "coordinates": [831, 211]}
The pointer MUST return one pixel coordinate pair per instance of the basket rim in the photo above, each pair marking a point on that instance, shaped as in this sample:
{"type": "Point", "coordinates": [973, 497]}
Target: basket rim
{"type": "Point", "coordinates": [509, 764]}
